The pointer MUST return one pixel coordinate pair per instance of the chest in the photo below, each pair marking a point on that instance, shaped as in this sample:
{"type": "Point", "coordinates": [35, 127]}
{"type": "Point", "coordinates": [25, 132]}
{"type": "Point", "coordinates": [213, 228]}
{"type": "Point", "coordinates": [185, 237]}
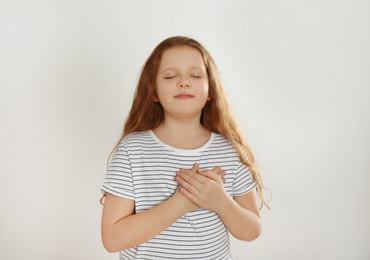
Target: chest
{"type": "Point", "coordinates": [153, 175]}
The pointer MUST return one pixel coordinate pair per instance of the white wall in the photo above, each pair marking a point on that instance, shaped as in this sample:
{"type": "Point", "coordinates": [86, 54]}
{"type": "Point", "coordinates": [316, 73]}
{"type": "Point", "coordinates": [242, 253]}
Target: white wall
{"type": "Point", "coordinates": [297, 73]}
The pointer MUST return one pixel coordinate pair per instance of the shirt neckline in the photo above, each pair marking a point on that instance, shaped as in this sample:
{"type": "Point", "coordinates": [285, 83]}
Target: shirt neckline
{"type": "Point", "coordinates": [183, 151]}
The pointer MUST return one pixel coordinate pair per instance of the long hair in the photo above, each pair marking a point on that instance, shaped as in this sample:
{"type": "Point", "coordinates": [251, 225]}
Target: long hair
{"type": "Point", "coordinates": [217, 115]}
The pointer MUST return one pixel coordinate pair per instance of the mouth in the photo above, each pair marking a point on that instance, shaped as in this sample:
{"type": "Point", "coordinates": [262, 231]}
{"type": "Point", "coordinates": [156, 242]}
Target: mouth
{"type": "Point", "coordinates": [184, 96]}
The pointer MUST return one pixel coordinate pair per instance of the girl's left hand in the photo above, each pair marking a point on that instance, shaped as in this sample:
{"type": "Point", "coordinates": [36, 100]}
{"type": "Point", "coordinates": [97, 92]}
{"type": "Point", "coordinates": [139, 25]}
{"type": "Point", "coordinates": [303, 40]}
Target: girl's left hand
{"type": "Point", "coordinates": [205, 189]}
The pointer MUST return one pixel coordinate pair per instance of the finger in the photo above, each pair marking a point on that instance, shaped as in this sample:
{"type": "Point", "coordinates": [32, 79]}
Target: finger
{"type": "Point", "coordinates": [189, 196]}
{"type": "Point", "coordinates": [210, 174]}
{"type": "Point", "coordinates": [191, 185]}
{"type": "Point", "coordinates": [217, 169]}
{"type": "Point", "coordinates": [222, 176]}
{"type": "Point", "coordinates": [221, 173]}
{"type": "Point", "coordinates": [195, 167]}
{"type": "Point", "coordinates": [190, 177]}
{"type": "Point", "coordinates": [187, 175]}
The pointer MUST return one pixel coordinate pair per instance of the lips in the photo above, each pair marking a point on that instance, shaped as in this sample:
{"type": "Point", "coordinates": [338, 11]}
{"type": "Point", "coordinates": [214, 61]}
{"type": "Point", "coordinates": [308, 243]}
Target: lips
{"type": "Point", "coordinates": [184, 96]}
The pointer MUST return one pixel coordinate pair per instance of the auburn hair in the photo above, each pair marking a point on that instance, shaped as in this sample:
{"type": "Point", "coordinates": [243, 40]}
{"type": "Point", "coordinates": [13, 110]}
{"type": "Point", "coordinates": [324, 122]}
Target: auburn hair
{"type": "Point", "coordinates": [217, 115]}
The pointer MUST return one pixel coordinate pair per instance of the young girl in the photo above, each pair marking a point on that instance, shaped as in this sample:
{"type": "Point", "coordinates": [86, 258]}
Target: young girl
{"type": "Point", "coordinates": [182, 175]}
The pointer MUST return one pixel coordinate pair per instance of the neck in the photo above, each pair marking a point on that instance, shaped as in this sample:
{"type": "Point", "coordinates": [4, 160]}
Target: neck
{"type": "Point", "coordinates": [181, 127]}
{"type": "Point", "coordinates": [182, 133]}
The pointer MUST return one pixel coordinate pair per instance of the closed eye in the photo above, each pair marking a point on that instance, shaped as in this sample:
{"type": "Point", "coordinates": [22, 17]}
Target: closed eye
{"type": "Point", "coordinates": [169, 77]}
{"type": "Point", "coordinates": [196, 76]}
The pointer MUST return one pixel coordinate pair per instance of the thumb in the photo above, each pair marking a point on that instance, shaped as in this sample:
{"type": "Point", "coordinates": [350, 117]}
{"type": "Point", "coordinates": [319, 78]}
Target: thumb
{"type": "Point", "coordinates": [195, 167]}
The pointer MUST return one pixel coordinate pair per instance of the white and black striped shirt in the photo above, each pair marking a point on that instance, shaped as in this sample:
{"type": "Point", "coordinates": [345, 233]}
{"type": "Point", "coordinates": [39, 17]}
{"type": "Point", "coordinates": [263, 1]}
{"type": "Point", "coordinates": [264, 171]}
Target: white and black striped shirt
{"type": "Point", "coordinates": [144, 170]}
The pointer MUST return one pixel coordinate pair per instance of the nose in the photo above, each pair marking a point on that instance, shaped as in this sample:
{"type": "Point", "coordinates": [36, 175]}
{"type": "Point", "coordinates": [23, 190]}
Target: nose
{"type": "Point", "coordinates": [183, 83]}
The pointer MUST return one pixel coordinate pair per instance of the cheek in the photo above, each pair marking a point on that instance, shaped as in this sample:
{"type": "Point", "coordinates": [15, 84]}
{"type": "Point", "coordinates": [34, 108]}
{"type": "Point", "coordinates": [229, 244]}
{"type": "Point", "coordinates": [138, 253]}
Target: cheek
{"type": "Point", "coordinates": [207, 93]}
{"type": "Point", "coordinates": [163, 90]}
{"type": "Point", "coordinates": [204, 88]}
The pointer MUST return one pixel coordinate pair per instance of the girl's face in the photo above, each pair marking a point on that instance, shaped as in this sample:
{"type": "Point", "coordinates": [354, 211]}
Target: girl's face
{"type": "Point", "coordinates": [182, 82]}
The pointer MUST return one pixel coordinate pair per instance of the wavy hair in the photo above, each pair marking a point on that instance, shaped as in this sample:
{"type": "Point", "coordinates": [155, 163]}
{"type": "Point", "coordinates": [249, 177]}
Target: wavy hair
{"type": "Point", "coordinates": [217, 115]}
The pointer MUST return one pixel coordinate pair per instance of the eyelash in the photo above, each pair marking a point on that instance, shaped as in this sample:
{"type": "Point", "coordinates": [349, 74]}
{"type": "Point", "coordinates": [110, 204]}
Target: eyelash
{"type": "Point", "coordinates": [194, 76]}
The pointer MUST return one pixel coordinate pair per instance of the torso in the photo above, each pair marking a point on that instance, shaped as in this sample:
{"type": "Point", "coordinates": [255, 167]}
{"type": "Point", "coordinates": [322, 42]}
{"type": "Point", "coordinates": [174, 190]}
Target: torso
{"type": "Point", "coordinates": [144, 170]}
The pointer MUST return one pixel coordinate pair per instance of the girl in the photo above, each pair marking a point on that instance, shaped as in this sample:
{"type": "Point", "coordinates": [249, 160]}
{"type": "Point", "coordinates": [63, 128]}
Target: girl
{"type": "Point", "coordinates": [182, 175]}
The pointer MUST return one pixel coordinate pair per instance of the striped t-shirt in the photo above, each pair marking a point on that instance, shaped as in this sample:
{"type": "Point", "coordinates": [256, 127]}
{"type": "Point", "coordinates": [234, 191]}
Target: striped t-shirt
{"type": "Point", "coordinates": [144, 169]}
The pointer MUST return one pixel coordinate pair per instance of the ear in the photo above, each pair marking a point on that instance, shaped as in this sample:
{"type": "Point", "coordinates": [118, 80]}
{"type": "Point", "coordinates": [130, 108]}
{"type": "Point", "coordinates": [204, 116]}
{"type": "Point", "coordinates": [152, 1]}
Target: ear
{"type": "Point", "coordinates": [155, 97]}
{"type": "Point", "coordinates": [209, 95]}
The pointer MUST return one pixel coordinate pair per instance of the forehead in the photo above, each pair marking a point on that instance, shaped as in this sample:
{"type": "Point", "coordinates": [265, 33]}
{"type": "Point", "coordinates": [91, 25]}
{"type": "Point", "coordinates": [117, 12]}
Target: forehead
{"type": "Point", "coordinates": [182, 56]}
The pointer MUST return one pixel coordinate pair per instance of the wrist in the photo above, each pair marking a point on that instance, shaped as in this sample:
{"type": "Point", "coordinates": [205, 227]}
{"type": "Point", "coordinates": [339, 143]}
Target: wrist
{"type": "Point", "coordinates": [181, 203]}
{"type": "Point", "coordinates": [225, 207]}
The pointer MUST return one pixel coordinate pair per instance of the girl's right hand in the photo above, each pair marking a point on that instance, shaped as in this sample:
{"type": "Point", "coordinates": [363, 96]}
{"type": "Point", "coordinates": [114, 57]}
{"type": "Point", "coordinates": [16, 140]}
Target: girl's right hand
{"type": "Point", "coordinates": [190, 206]}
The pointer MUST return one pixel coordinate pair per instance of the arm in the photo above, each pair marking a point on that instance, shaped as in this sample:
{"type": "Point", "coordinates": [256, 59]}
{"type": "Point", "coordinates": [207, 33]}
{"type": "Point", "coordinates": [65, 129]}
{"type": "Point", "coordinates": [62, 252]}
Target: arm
{"type": "Point", "coordinates": [242, 218]}
{"type": "Point", "coordinates": [240, 215]}
{"type": "Point", "coordinates": [122, 229]}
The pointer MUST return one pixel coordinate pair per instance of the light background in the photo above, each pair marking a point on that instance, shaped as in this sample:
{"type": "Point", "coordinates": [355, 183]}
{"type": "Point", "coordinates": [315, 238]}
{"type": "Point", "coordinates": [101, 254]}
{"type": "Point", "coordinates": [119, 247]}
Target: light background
{"type": "Point", "coordinates": [297, 74]}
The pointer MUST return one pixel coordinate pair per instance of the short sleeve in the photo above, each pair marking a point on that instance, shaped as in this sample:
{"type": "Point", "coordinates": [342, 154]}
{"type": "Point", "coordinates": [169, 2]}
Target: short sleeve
{"type": "Point", "coordinates": [118, 181]}
{"type": "Point", "coordinates": [243, 180]}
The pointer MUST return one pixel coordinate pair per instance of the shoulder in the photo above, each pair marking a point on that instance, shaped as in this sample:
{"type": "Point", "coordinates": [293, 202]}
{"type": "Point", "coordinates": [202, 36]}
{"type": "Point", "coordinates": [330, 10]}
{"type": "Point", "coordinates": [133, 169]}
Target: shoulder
{"type": "Point", "coordinates": [221, 147]}
{"type": "Point", "coordinates": [136, 138]}
{"type": "Point", "coordinates": [221, 142]}
{"type": "Point", "coordinates": [139, 141]}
